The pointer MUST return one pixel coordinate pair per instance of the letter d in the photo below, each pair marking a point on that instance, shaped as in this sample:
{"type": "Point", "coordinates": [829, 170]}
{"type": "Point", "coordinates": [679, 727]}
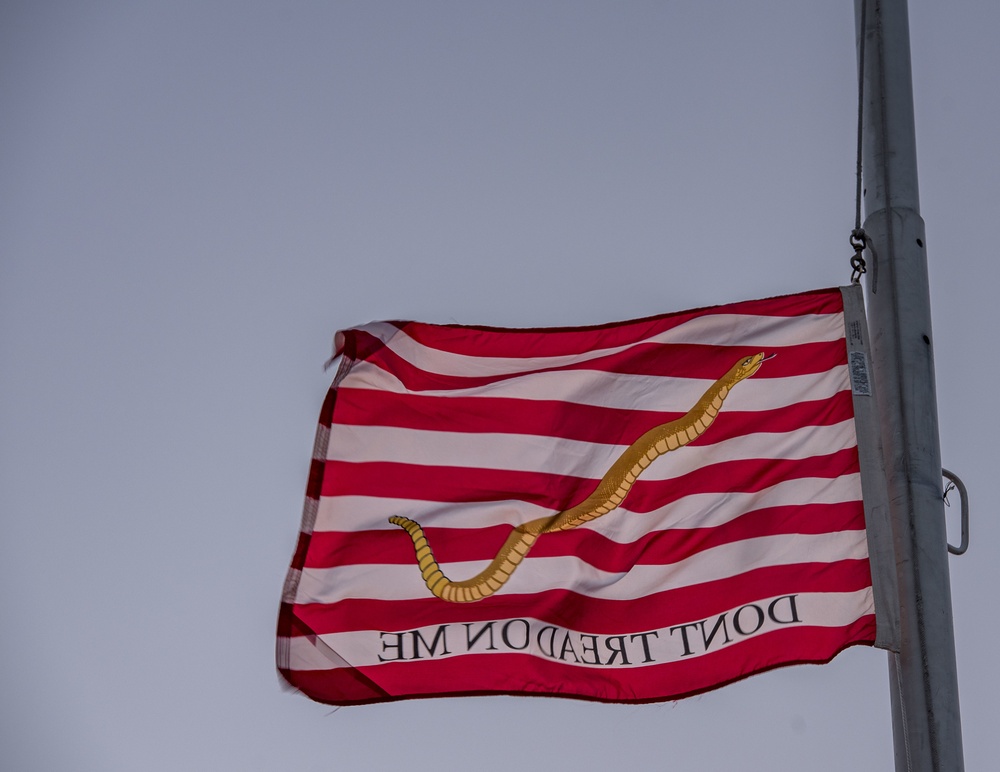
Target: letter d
{"type": "Point", "coordinates": [791, 607]}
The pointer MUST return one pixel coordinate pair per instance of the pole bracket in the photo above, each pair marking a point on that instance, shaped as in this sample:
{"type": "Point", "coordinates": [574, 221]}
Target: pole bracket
{"type": "Point", "coordinates": [955, 483]}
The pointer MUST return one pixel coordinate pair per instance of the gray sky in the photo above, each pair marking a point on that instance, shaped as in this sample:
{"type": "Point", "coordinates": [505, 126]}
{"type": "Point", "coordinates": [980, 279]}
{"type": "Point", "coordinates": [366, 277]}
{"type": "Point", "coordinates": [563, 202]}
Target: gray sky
{"type": "Point", "coordinates": [194, 196]}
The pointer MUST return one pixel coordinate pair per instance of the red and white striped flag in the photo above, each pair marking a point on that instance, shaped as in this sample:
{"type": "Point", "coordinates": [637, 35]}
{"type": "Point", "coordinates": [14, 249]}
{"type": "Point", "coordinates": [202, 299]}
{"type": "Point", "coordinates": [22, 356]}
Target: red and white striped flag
{"type": "Point", "coordinates": [632, 512]}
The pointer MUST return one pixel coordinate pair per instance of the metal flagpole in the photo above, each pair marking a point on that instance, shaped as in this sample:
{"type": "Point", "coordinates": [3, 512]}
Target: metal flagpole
{"type": "Point", "coordinates": [923, 678]}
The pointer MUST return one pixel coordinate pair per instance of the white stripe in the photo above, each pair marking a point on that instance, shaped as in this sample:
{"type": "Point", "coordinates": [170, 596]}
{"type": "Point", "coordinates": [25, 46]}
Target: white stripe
{"type": "Point", "coordinates": [701, 510]}
{"type": "Point", "coordinates": [364, 513]}
{"type": "Point", "coordinates": [537, 638]}
{"type": "Point", "coordinates": [554, 455]}
{"type": "Point", "coordinates": [627, 392]}
{"type": "Point", "coordinates": [706, 510]}
{"type": "Point", "coordinates": [714, 329]}
{"type": "Point", "coordinates": [534, 575]}
{"type": "Point", "coordinates": [312, 653]}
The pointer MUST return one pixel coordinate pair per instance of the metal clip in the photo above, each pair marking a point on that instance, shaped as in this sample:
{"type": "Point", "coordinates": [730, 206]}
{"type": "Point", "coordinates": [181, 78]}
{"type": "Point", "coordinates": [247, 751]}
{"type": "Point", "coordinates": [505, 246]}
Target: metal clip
{"type": "Point", "coordinates": [859, 240]}
{"type": "Point", "coordinates": [955, 483]}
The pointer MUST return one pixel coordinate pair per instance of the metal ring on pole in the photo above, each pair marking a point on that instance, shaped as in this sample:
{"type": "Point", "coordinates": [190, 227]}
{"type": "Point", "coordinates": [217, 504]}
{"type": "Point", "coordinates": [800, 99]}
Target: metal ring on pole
{"type": "Point", "coordinates": [957, 483]}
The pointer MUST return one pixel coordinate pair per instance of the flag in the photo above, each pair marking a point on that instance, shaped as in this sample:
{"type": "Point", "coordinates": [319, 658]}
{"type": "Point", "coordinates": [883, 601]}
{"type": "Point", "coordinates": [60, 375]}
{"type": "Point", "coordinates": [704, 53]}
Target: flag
{"type": "Point", "coordinates": [631, 512]}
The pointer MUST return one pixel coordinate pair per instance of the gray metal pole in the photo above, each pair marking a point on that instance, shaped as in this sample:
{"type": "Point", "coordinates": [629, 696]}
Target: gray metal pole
{"type": "Point", "coordinates": [923, 678]}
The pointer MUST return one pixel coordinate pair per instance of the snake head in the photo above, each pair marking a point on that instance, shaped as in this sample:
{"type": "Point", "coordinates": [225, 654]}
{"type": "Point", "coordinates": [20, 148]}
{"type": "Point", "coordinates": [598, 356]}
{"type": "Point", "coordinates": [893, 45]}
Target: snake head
{"type": "Point", "coordinates": [746, 367]}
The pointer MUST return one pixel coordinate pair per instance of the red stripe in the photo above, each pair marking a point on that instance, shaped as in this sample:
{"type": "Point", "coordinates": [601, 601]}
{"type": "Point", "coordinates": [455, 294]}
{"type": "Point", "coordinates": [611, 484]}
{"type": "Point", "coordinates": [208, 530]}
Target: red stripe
{"type": "Point", "coordinates": [587, 423]}
{"type": "Point", "coordinates": [597, 615]}
{"type": "Point", "coordinates": [306, 550]}
{"type": "Point", "coordinates": [452, 545]}
{"type": "Point", "coordinates": [344, 686]}
{"type": "Point", "coordinates": [560, 492]}
{"type": "Point", "coordinates": [555, 341]}
{"type": "Point", "coordinates": [514, 673]}
{"type": "Point", "coordinates": [709, 362]}
{"type": "Point", "coordinates": [519, 674]}
{"type": "Point", "coordinates": [326, 412]}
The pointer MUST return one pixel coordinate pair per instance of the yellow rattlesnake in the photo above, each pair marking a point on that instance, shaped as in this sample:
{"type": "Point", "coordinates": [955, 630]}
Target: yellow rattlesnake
{"type": "Point", "coordinates": [610, 493]}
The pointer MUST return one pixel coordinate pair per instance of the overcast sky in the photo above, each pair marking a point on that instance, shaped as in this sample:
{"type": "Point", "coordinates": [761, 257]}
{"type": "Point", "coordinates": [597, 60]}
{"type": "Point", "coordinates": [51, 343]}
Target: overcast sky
{"type": "Point", "coordinates": [195, 195]}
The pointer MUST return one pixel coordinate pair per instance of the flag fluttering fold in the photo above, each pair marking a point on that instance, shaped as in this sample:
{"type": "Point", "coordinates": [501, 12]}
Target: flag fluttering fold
{"type": "Point", "coordinates": [631, 512]}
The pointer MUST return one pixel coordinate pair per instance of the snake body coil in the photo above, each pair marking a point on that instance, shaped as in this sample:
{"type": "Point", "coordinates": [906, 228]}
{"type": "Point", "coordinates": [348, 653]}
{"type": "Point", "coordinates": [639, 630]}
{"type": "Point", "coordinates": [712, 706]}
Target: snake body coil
{"type": "Point", "coordinates": [610, 493]}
